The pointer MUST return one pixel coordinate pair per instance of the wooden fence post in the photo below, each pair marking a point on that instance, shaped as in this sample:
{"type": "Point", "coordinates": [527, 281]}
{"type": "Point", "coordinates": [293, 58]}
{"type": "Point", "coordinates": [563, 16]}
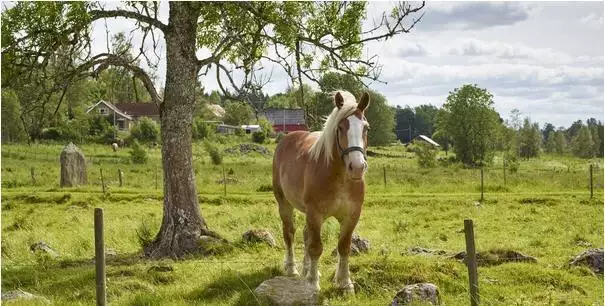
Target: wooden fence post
{"type": "Point", "coordinates": [471, 262]}
{"type": "Point", "coordinates": [591, 184]}
{"type": "Point", "coordinates": [384, 171]}
{"type": "Point", "coordinates": [504, 170]}
{"type": "Point", "coordinates": [100, 257]}
{"type": "Point", "coordinates": [156, 177]}
{"type": "Point", "coordinates": [33, 173]}
{"type": "Point", "coordinates": [102, 180]}
{"type": "Point", "coordinates": [224, 181]}
{"type": "Point", "coordinates": [482, 183]}
{"type": "Point", "coordinates": [120, 176]}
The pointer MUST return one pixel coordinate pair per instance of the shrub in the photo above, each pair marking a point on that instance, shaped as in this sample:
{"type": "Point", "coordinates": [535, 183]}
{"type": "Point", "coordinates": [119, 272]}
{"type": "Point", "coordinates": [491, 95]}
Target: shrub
{"type": "Point", "coordinates": [279, 137]}
{"type": "Point", "coordinates": [215, 155]}
{"type": "Point", "coordinates": [426, 154]}
{"type": "Point", "coordinates": [512, 164]}
{"type": "Point", "coordinates": [145, 130]}
{"type": "Point", "coordinates": [202, 130]}
{"type": "Point", "coordinates": [266, 126]}
{"type": "Point", "coordinates": [240, 132]}
{"type": "Point", "coordinates": [259, 137]}
{"type": "Point", "coordinates": [138, 153]}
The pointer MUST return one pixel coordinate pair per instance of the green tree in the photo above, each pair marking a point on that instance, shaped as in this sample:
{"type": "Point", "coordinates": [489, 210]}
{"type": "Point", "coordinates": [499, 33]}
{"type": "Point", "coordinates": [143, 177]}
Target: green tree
{"type": "Point", "coordinates": [12, 127]}
{"type": "Point", "coordinates": [470, 119]}
{"type": "Point", "coordinates": [530, 139]}
{"type": "Point", "coordinates": [551, 145]}
{"type": "Point", "coordinates": [560, 142]}
{"type": "Point", "coordinates": [238, 34]}
{"type": "Point", "coordinates": [381, 119]}
{"type": "Point", "coordinates": [424, 119]}
{"type": "Point", "coordinates": [583, 145]}
{"type": "Point", "coordinates": [404, 124]}
{"type": "Point", "coordinates": [238, 113]}
{"type": "Point", "coordinates": [145, 130]}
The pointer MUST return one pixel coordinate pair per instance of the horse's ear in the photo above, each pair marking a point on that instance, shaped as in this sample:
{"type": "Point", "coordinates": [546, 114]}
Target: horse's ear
{"type": "Point", "coordinates": [363, 102]}
{"type": "Point", "coordinates": [338, 100]}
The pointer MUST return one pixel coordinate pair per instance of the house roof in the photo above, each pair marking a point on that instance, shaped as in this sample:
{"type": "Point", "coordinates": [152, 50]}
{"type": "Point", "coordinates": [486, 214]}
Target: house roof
{"type": "Point", "coordinates": [110, 106]}
{"type": "Point", "coordinates": [139, 109]}
{"type": "Point", "coordinates": [285, 116]}
{"type": "Point", "coordinates": [429, 140]}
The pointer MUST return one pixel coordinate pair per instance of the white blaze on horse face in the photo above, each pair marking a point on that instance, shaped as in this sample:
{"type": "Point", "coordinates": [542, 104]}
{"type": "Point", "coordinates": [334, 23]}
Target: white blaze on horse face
{"type": "Point", "coordinates": [357, 162]}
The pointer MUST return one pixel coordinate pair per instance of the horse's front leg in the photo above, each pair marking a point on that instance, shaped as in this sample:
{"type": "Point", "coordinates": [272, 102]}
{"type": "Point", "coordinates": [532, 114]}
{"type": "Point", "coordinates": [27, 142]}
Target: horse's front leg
{"type": "Point", "coordinates": [313, 248]}
{"type": "Point", "coordinates": [342, 278]}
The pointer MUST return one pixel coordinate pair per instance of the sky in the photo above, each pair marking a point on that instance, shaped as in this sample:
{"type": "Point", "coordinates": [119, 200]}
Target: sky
{"type": "Point", "coordinates": [543, 58]}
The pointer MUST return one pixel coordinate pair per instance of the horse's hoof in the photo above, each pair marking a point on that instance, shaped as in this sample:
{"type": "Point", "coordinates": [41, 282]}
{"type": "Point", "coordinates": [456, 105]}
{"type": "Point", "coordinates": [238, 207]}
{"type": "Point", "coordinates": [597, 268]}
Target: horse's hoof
{"type": "Point", "coordinates": [348, 289]}
{"type": "Point", "coordinates": [291, 271]}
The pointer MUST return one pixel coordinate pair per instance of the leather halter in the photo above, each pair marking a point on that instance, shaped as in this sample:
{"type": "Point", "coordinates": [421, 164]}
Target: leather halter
{"type": "Point", "coordinates": [348, 150]}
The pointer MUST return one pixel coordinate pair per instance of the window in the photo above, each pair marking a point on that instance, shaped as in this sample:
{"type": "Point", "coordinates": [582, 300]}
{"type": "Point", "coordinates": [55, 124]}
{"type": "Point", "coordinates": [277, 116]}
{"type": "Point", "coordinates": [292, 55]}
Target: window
{"type": "Point", "coordinates": [121, 124]}
{"type": "Point", "coordinates": [102, 110]}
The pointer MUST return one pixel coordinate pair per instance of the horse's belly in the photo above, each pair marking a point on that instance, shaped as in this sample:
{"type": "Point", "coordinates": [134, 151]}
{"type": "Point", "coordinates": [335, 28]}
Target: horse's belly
{"type": "Point", "coordinates": [292, 191]}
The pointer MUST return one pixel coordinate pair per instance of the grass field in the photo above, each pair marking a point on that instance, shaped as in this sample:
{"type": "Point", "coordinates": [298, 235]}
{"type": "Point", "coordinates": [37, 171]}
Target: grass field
{"type": "Point", "coordinates": [544, 210]}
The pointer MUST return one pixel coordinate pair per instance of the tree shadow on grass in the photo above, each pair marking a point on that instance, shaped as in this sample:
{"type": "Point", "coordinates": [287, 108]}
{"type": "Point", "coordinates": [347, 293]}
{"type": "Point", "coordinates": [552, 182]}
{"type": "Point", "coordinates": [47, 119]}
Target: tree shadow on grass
{"type": "Point", "coordinates": [232, 283]}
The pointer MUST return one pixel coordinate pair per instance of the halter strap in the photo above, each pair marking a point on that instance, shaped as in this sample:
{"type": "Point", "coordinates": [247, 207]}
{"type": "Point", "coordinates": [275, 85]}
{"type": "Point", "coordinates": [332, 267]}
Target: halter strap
{"type": "Point", "coordinates": [348, 150]}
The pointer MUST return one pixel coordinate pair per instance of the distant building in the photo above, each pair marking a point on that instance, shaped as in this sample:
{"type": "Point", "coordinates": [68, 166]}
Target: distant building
{"type": "Point", "coordinates": [427, 139]}
{"type": "Point", "coordinates": [123, 115]}
{"type": "Point", "coordinates": [287, 120]}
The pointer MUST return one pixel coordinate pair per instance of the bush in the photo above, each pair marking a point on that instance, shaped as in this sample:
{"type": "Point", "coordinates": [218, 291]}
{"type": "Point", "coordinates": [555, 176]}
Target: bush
{"type": "Point", "coordinates": [259, 137]}
{"type": "Point", "coordinates": [266, 126]}
{"type": "Point", "coordinates": [512, 164]}
{"type": "Point", "coordinates": [240, 132]}
{"type": "Point", "coordinates": [215, 155]}
{"type": "Point", "coordinates": [145, 130]}
{"type": "Point", "coordinates": [138, 153]}
{"type": "Point", "coordinates": [202, 130]}
{"type": "Point", "coordinates": [279, 137]}
{"type": "Point", "coordinates": [426, 154]}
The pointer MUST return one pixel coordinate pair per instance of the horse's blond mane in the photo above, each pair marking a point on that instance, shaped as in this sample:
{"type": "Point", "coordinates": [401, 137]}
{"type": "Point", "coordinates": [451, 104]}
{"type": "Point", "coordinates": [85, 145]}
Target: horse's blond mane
{"type": "Point", "coordinates": [325, 142]}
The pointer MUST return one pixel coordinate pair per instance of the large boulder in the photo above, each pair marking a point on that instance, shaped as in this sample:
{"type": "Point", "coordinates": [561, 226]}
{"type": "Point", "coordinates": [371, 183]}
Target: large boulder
{"type": "Point", "coordinates": [259, 236]}
{"type": "Point", "coordinates": [286, 291]}
{"type": "Point", "coordinates": [73, 167]}
{"type": "Point", "coordinates": [417, 293]}
{"type": "Point", "coordinates": [43, 248]}
{"type": "Point", "coordinates": [20, 295]}
{"type": "Point", "coordinates": [593, 258]}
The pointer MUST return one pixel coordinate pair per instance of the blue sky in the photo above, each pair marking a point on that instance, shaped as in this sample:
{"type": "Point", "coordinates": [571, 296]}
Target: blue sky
{"type": "Point", "coordinates": [543, 58]}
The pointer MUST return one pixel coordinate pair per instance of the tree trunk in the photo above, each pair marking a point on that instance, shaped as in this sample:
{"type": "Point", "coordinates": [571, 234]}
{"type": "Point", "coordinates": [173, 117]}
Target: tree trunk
{"type": "Point", "coordinates": [182, 223]}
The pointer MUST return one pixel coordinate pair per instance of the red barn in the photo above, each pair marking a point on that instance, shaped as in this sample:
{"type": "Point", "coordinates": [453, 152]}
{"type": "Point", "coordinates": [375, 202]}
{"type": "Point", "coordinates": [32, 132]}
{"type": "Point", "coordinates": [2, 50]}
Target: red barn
{"type": "Point", "coordinates": [286, 120]}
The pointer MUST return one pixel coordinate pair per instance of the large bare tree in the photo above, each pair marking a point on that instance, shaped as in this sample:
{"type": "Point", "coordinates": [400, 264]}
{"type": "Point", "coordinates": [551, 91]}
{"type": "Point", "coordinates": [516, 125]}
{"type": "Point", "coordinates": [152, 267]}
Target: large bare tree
{"type": "Point", "coordinates": [305, 38]}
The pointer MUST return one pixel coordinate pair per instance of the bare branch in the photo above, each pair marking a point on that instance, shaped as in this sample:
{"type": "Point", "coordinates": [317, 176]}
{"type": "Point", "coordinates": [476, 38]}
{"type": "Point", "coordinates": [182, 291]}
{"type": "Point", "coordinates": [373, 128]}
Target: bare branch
{"type": "Point", "coordinates": [99, 14]}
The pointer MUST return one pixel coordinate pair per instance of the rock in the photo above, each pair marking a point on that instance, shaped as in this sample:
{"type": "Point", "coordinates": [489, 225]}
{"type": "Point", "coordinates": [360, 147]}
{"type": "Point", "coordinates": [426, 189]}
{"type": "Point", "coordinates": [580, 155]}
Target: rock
{"type": "Point", "coordinates": [282, 290]}
{"type": "Point", "coordinates": [73, 167]}
{"type": "Point", "coordinates": [261, 235]}
{"type": "Point", "coordinates": [423, 251]}
{"type": "Point", "coordinates": [22, 295]}
{"type": "Point", "coordinates": [497, 257]}
{"type": "Point", "coordinates": [41, 246]}
{"type": "Point", "coordinates": [110, 253]}
{"type": "Point", "coordinates": [417, 293]}
{"type": "Point", "coordinates": [593, 258]}
{"type": "Point", "coordinates": [358, 245]}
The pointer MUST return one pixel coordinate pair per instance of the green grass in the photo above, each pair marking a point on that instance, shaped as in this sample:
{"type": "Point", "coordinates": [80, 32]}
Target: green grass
{"type": "Point", "coordinates": [543, 211]}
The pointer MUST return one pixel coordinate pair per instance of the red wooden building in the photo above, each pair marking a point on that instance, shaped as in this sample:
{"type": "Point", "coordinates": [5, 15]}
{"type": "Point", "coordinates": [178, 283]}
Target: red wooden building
{"type": "Point", "coordinates": [287, 120]}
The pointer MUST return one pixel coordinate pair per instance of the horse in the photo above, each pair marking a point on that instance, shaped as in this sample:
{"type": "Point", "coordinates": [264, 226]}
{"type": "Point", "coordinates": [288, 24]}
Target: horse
{"type": "Point", "coordinates": [115, 147]}
{"type": "Point", "coordinates": [321, 174]}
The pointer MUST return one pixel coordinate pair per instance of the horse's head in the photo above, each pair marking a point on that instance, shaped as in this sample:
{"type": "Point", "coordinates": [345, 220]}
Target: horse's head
{"type": "Point", "coordinates": [352, 137]}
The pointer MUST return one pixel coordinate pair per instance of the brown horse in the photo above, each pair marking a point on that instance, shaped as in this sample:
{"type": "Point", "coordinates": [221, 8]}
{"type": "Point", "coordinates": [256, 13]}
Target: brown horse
{"type": "Point", "coordinates": [322, 175]}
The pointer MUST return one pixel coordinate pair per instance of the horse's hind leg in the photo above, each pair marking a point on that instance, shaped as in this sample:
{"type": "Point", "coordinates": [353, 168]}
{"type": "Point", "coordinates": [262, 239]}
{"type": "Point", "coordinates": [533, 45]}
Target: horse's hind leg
{"type": "Point", "coordinates": [286, 212]}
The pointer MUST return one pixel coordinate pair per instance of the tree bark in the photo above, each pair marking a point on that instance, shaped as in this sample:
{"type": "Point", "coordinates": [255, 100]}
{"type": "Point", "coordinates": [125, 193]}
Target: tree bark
{"type": "Point", "coordinates": [182, 223]}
